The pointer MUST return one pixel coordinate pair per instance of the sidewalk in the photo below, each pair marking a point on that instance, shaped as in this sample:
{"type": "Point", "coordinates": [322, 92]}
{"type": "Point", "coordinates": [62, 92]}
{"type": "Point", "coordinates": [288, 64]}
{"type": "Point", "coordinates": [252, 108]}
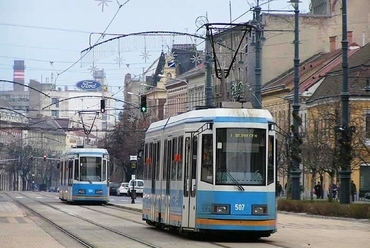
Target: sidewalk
{"type": "Point", "coordinates": [17, 230]}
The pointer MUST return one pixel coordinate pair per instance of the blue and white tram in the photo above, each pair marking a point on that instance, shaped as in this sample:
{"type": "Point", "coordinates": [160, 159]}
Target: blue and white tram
{"type": "Point", "coordinates": [83, 175]}
{"type": "Point", "coordinates": [212, 170]}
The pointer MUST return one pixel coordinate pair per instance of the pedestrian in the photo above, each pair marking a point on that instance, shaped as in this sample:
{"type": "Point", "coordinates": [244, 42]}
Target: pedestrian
{"type": "Point", "coordinates": [353, 190]}
{"type": "Point", "coordinates": [318, 190]}
{"type": "Point", "coordinates": [334, 191]}
{"type": "Point", "coordinates": [279, 189]}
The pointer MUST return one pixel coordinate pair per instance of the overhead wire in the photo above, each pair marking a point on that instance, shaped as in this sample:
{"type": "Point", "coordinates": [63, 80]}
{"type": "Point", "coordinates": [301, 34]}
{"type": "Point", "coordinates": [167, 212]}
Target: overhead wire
{"type": "Point", "coordinates": [100, 37]}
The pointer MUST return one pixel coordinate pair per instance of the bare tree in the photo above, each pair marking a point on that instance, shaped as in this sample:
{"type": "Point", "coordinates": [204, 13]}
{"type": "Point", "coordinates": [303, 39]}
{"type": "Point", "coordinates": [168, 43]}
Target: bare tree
{"type": "Point", "coordinates": [127, 139]}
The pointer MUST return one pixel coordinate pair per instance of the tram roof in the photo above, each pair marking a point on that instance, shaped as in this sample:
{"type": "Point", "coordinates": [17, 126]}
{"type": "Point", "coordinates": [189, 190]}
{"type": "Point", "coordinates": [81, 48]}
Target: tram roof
{"type": "Point", "coordinates": [85, 150]}
{"type": "Point", "coordinates": [215, 115]}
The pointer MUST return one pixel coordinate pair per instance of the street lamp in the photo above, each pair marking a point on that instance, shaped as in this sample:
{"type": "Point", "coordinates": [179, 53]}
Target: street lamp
{"type": "Point", "coordinates": [295, 172]}
{"type": "Point", "coordinates": [345, 130]}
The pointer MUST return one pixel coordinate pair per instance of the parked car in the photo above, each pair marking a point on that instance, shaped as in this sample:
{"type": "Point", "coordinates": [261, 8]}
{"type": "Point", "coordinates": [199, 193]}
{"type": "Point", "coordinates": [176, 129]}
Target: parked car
{"type": "Point", "coordinates": [367, 196]}
{"type": "Point", "coordinates": [113, 188]}
{"type": "Point", "coordinates": [122, 190]}
{"type": "Point", "coordinates": [139, 186]}
{"type": "Point", "coordinates": [53, 189]}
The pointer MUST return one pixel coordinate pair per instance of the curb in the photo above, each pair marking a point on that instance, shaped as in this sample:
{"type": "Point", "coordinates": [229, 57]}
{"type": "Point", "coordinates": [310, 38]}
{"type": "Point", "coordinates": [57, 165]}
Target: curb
{"type": "Point", "coordinates": [125, 207]}
{"type": "Point", "coordinates": [324, 217]}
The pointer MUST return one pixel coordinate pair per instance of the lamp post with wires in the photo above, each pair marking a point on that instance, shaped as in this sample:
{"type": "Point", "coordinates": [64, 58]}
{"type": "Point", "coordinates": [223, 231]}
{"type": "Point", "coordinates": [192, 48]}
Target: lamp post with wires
{"type": "Point", "coordinates": [295, 152]}
{"type": "Point", "coordinates": [345, 131]}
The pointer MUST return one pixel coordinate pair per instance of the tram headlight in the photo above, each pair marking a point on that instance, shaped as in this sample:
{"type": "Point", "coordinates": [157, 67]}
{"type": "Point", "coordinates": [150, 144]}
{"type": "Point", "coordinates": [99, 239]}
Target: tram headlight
{"type": "Point", "coordinates": [259, 209]}
{"type": "Point", "coordinates": [98, 191]}
{"type": "Point", "coordinates": [82, 191]}
{"type": "Point", "coordinates": [221, 209]}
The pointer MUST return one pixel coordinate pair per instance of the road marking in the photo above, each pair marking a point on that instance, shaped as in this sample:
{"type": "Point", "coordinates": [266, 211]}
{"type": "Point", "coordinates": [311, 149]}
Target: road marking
{"type": "Point", "coordinates": [39, 197]}
{"type": "Point", "coordinates": [19, 197]}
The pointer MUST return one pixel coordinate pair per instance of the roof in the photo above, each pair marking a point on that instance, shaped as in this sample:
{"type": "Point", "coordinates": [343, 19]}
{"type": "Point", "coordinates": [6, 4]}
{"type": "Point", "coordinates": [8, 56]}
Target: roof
{"type": "Point", "coordinates": [48, 124]}
{"type": "Point", "coordinates": [214, 115]}
{"type": "Point", "coordinates": [62, 122]}
{"type": "Point", "coordinates": [308, 72]}
{"type": "Point", "coordinates": [358, 70]}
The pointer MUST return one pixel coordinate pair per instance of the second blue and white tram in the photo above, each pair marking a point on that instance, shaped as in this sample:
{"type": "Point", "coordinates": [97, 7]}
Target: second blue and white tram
{"type": "Point", "coordinates": [212, 170]}
{"type": "Point", "coordinates": [83, 175]}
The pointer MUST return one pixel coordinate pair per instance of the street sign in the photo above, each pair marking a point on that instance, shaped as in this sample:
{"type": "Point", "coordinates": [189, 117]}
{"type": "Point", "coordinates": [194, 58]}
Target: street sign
{"type": "Point", "coordinates": [133, 157]}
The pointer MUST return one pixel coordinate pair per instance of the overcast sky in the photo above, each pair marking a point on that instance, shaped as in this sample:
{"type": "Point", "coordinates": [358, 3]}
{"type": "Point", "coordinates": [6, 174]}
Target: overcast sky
{"type": "Point", "coordinates": [50, 34]}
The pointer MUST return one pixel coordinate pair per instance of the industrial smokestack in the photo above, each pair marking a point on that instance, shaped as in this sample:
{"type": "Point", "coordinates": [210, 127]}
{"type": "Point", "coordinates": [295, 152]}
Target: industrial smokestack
{"type": "Point", "coordinates": [18, 75]}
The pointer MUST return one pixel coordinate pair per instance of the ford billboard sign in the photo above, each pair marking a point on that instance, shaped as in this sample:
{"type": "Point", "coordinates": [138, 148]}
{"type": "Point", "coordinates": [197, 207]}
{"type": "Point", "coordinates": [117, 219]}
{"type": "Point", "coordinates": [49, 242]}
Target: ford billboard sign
{"type": "Point", "coordinates": [89, 85]}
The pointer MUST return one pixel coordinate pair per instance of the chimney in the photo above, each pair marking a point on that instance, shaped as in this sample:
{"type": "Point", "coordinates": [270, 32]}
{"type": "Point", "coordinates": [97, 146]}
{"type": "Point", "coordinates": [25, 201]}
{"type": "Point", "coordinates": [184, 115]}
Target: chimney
{"type": "Point", "coordinates": [18, 75]}
{"type": "Point", "coordinates": [350, 37]}
{"type": "Point", "coordinates": [333, 43]}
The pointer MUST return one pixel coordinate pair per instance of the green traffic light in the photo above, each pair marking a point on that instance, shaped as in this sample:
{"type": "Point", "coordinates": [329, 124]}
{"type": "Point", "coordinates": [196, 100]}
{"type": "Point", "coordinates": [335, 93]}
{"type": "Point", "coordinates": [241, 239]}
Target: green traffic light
{"type": "Point", "coordinates": [143, 109]}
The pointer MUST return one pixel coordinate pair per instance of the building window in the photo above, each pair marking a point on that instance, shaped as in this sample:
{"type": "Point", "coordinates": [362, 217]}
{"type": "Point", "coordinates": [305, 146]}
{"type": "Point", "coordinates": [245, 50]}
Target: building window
{"type": "Point", "coordinates": [55, 101]}
{"type": "Point", "coordinates": [55, 113]}
{"type": "Point", "coordinates": [105, 125]}
{"type": "Point", "coordinates": [367, 125]}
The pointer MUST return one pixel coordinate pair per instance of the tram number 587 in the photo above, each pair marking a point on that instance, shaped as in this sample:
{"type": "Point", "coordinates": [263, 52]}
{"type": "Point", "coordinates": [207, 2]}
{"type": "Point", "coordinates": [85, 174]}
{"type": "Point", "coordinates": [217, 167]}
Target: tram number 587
{"type": "Point", "coordinates": [239, 207]}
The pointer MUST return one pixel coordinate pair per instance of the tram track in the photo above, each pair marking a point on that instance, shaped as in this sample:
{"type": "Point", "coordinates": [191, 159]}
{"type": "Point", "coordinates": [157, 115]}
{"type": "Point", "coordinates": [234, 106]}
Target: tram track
{"type": "Point", "coordinates": [222, 244]}
{"type": "Point", "coordinates": [60, 228]}
{"type": "Point", "coordinates": [70, 234]}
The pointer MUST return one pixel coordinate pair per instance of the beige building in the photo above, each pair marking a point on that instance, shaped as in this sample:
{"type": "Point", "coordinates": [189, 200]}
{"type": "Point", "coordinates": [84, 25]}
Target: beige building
{"type": "Point", "coordinates": [319, 32]}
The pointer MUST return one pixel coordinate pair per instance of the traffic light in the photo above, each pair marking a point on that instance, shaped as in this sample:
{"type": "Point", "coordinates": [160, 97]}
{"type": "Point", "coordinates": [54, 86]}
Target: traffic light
{"type": "Point", "coordinates": [44, 157]}
{"type": "Point", "coordinates": [102, 105]}
{"type": "Point", "coordinates": [143, 106]}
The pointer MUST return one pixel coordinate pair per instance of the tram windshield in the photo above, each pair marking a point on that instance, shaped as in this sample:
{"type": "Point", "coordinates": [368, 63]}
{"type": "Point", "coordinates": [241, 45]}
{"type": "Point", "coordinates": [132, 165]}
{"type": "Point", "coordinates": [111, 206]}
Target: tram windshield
{"type": "Point", "coordinates": [240, 156]}
{"type": "Point", "coordinates": [91, 169]}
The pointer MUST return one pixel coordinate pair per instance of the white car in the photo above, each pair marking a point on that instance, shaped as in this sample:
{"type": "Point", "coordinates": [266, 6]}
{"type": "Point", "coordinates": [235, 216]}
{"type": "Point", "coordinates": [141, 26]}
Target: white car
{"type": "Point", "coordinates": [139, 186]}
{"type": "Point", "coordinates": [123, 189]}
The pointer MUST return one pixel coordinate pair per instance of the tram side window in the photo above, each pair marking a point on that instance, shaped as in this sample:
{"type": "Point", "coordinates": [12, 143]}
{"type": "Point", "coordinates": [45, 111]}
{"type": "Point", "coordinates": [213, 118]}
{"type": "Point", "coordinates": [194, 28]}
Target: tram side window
{"type": "Point", "coordinates": [194, 166]}
{"type": "Point", "coordinates": [154, 164]}
{"type": "Point", "coordinates": [150, 160]}
{"type": "Point", "coordinates": [174, 159]}
{"type": "Point", "coordinates": [158, 151]}
{"type": "Point", "coordinates": [65, 172]}
{"type": "Point", "coordinates": [104, 177]}
{"type": "Point", "coordinates": [145, 170]}
{"type": "Point", "coordinates": [166, 144]}
{"type": "Point", "coordinates": [188, 157]}
{"type": "Point", "coordinates": [70, 169]}
{"type": "Point", "coordinates": [77, 170]}
{"type": "Point", "coordinates": [271, 161]}
{"type": "Point", "coordinates": [179, 164]}
{"type": "Point", "coordinates": [207, 158]}
{"type": "Point", "coordinates": [61, 172]}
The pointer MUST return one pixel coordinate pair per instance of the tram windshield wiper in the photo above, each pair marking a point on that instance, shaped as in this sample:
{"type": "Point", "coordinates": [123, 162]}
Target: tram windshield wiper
{"type": "Point", "coordinates": [240, 187]}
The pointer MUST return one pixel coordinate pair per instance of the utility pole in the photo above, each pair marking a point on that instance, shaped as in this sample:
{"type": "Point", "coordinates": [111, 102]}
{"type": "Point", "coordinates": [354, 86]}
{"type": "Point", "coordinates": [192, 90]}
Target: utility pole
{"type": "Point", "coordinates": [345, 130]}
{"type": "Point", "coordinates": [257, 68]}
{"type": "Point", "coordinates": [295, 172]}
{"type": "Point", "coordinates": [208, 71]}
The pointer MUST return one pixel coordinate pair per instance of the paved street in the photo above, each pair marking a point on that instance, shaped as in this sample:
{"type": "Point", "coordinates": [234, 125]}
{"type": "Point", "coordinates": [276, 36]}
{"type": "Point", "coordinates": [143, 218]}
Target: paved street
{"type": "Point", "coordinates": [294, 230]}
{"type": "Point", "coordinates": [318, 232]}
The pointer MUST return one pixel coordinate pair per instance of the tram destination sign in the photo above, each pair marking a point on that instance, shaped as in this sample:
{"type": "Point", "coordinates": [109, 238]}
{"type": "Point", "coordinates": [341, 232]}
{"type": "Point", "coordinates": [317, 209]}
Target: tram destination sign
{"type": "Point", "coordinates": [89, 85]}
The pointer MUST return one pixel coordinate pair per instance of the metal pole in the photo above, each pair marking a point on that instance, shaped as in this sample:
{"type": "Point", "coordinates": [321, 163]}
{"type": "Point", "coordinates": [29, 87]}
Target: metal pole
{"type": "Point", "coordinates": [296, 159]}
{"type": "Point", "coordinates": [345, 172]}
{"type": "Point", "coordinates": [208, 71]}
{"type": "Point", "coordinates": [257, 68]}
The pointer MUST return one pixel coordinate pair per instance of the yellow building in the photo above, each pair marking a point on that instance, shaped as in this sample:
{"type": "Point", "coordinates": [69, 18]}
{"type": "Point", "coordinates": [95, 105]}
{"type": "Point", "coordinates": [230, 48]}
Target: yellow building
{"type": "Point", "coordinates": [320, 110]}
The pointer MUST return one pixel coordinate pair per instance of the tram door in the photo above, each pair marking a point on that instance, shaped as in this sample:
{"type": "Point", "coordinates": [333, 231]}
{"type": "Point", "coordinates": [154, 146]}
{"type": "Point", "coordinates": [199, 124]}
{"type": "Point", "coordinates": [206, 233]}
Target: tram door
{"type": "Point", "coordinates": [70, 178]}
{"type": "Point", "coordinates": [190, 186]}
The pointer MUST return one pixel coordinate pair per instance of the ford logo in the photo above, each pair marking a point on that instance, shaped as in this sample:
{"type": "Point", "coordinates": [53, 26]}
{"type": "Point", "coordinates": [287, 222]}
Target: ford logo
{"type": "Point", "coordinates": [88, 85]}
